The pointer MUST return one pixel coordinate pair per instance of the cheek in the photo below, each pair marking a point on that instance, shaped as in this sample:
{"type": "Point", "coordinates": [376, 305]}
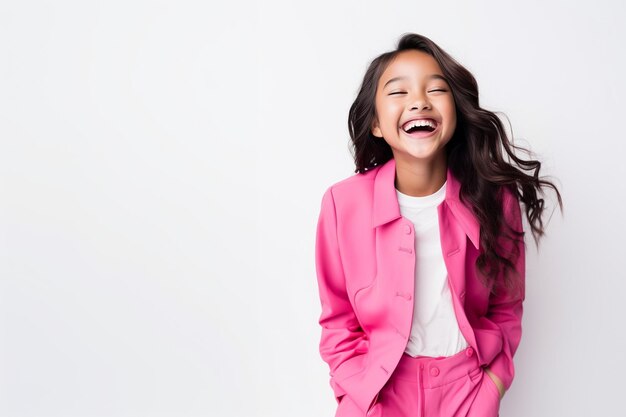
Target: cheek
{"type": "Point", "coordinates": [452, 124]}
{"type": "Point", "coordinates": [451, 113]}
{"type": "Point", "coordinates": [389, 116]}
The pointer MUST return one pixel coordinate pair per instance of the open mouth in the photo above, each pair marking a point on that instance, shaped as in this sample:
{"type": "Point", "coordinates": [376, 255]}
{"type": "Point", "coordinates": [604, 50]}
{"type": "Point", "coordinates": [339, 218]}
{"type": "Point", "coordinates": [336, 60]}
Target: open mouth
{"type": "Point", "coordinates": [420, 128]}
{"type": "Point", "coordinates": [426, 128]}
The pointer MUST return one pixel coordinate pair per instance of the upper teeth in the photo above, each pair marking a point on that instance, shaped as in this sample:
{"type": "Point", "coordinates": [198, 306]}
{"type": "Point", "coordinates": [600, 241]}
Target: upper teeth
{"type": "Point", "coordinates": [423, 122]}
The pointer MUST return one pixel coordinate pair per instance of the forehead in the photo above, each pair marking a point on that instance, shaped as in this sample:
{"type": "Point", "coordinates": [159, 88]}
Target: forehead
{"type": "Point", "coordinates": [411, 63]}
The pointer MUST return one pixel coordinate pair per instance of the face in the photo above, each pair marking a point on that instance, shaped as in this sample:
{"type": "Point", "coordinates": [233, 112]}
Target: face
{"type": "Point", "coordinates": [416, 94]}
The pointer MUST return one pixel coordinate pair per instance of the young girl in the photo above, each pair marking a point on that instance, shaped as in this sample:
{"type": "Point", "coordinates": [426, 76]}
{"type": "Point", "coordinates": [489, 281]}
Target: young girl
{"type": "Point", "coordinates": [420, 255]}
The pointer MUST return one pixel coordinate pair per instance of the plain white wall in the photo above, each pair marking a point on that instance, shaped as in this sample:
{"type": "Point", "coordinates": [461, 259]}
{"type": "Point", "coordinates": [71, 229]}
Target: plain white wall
{"type": "Point", "coordinates": [162, 165]}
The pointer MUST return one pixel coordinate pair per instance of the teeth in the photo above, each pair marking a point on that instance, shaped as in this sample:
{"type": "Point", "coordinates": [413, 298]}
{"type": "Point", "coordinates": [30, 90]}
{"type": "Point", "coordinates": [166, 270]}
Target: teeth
{"type": "Point", "coordinates": [414, 123]}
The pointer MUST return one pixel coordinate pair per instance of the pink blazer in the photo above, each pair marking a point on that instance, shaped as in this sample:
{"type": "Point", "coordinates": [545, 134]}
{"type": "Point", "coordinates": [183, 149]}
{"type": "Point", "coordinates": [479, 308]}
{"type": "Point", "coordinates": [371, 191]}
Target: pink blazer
{"type": "Point", "coordinates": [365, 263]}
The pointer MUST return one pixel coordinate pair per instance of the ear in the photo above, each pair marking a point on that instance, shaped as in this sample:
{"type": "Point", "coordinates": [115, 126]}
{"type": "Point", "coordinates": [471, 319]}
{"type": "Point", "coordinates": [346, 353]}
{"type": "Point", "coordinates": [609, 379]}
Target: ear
{"type": "Point", "coordinates": [376, 129]}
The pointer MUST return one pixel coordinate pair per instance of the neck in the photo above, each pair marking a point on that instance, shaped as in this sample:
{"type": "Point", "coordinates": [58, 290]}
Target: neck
{"type": "Point", "coordinates": [421, 179]}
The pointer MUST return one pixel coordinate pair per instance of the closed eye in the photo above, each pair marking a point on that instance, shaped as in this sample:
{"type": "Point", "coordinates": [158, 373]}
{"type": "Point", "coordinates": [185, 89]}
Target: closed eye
{"type": "Point", "coordinates": [402, 92]}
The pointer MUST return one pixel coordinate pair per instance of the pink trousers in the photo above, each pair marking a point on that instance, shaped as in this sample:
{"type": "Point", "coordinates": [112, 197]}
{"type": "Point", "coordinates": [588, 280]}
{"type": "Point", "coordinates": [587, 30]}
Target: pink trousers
{"type": "Point", "coordinates": [447, 386]}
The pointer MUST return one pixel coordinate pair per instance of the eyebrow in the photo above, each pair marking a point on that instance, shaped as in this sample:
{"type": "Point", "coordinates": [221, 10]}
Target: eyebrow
{"type": "Point", "coordinates": [430, 77]}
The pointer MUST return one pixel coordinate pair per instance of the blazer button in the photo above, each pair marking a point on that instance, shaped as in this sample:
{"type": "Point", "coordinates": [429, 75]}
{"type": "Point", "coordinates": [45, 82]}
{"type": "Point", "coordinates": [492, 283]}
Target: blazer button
{"type": "Point", "coordinates": [469, 351]}
{"type": "Point", "coordinates": [434, 371]}
{"type": "Point", "coordinates": [407, 229]}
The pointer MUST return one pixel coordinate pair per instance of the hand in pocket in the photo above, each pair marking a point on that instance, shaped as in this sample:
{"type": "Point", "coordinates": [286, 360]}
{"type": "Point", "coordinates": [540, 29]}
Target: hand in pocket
{"type": "Point", "coordinates": [495, 380]}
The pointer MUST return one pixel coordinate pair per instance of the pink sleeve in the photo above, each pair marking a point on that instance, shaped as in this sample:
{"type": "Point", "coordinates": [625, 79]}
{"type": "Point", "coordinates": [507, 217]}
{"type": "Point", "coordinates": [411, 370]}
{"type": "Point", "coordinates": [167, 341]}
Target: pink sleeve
{"type": "Point", "coordinates": [341, 337]}
{"type": "Point", "coordinates": [506, 310]}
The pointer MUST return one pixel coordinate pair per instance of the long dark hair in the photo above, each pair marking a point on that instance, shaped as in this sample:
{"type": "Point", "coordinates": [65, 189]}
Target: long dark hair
{"type": "Point", "coordinates": [474, 155]}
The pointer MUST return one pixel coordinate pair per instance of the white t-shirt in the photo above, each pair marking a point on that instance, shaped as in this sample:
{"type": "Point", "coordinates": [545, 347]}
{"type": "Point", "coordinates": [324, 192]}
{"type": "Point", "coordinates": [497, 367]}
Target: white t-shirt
{"type": "Point", "coordinates": [435, 329]}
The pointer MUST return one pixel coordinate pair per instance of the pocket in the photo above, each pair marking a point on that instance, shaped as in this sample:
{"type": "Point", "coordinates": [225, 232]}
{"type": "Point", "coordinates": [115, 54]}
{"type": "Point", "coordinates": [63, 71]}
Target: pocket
{"type": "Point", "coordinates": [370, 304]}
{"type": "Point", "coordinates": [351, 367]}
{"type": "Point", "coordinates": [485, 400]}
{"type": "Point", "coordinates": [491, 385]}
{"type": "Point", "coordinates": [347, 407]}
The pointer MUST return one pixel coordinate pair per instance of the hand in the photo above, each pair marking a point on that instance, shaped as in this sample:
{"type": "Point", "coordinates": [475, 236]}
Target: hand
{"type": "Point", "coordinates": [497, 381]}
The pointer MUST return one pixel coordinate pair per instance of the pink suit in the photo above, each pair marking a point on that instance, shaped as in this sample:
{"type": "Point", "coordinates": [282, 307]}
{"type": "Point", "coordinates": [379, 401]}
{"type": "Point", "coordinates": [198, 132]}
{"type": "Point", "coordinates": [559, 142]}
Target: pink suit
{"type": "Point", "coordinates": [365, 269]}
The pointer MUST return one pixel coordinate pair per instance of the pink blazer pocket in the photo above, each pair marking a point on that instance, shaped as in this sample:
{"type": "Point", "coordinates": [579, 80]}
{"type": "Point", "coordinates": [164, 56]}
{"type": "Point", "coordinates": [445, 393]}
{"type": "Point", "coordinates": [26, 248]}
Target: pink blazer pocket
{"type": "Point", "coordinates": [350, 367]}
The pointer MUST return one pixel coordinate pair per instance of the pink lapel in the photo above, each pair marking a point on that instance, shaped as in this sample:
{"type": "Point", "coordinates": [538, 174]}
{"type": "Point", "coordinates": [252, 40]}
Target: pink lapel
{"type": "Point", "coordinates": [386, 208]}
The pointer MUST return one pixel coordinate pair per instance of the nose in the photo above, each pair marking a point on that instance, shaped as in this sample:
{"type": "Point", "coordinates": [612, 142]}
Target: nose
{"type": "Point", "coordinates": [419, 100]}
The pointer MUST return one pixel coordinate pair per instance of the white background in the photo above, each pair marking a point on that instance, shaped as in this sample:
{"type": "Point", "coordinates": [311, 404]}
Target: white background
{"type": "Point", "coordinates": [162, 165]}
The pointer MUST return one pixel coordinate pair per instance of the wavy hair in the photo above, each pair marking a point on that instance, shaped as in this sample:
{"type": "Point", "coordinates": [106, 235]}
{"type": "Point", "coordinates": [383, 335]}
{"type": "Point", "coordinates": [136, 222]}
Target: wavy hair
{"type": "Point", "coordinates": [475, 155]}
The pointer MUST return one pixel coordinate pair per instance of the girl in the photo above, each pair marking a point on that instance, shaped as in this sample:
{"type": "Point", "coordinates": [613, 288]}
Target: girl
{"type": "Point", "coordinates": [420, 255]}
